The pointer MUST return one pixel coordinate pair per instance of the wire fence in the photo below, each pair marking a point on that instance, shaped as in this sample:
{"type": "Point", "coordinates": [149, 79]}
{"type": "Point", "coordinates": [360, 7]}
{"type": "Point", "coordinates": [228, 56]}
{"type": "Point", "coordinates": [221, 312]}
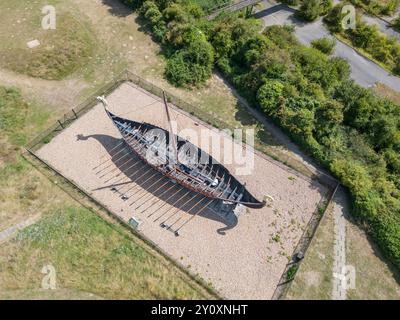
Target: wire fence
{"type": "Point", "coordinates": [209, 118]}
{"type": "Point", "coordinates": [293, 266]}
{"type": "Point", "coordinates": [87, 201]}
{"type": "Point", "coordinates": [74, 114]}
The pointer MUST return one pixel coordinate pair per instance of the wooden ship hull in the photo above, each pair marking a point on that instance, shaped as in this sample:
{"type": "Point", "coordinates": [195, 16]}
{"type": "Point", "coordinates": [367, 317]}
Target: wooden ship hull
{"type": "Point", "coordinates": [209, 178]}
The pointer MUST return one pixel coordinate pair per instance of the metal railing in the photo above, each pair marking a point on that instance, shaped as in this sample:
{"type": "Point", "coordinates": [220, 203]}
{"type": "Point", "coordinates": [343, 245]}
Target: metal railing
{"type": "Point", "coordinates": [286, 281]}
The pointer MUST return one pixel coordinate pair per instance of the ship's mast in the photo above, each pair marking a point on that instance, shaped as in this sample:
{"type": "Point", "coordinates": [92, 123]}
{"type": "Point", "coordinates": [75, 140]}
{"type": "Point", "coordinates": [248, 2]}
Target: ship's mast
{"type": "Point", "coordinates": [172, 136]}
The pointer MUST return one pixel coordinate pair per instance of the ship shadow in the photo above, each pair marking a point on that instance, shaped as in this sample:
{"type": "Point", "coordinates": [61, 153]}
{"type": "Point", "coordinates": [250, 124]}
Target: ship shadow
{"type": "Point", "coordinates": [124, 164]}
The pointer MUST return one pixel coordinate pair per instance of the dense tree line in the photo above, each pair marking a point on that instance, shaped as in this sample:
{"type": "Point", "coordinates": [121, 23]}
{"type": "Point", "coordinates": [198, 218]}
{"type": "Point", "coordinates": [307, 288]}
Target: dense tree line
{"type": "Point", "coordinates": [309, 94]}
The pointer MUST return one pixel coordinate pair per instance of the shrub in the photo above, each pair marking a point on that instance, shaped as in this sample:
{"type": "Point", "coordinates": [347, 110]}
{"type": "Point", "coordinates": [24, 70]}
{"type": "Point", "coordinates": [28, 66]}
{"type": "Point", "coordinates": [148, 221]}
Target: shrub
{"type": "Point", "coordinates": [326, 6]}
{"type": "Point", "coordinates": [283, 36]}
{"type": "Point", "coordinates": [291, 2]}
{"type": "Point", "coordinates": [334, 19]}
{"type": "Point", "coordinates": [134, 4]}
{"type": "Point", "coordinates": [192, 65]}
{"type": "Point", "coordinates": [310, 10]}
{"type": "Point", "coordinates": [325, 45]}
{"type": "Point", "coordinates": [269, 96]}
{"type": "Point", "coordinates": [396, 24]}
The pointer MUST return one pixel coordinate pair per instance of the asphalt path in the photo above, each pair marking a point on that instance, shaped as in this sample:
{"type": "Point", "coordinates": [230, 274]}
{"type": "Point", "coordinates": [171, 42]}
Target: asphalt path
{"type": "Point", "coordinates": [363, 71]}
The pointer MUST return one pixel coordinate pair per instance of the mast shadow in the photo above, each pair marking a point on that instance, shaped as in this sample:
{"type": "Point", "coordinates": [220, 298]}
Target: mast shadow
{"type": "Point", "coordinates": [148, 192]}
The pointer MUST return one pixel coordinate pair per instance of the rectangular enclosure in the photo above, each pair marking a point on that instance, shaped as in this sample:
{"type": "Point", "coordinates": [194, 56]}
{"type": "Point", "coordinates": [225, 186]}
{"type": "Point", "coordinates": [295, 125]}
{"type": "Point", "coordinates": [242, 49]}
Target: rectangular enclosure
{"type": "Point", "coordinates": [243, 253]}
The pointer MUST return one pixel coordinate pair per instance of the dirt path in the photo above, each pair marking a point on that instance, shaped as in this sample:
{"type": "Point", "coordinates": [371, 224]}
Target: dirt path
{"type": "Point", "coordinates": [54, 93]}
{"type": "Point", "coordinates": [6, 234]}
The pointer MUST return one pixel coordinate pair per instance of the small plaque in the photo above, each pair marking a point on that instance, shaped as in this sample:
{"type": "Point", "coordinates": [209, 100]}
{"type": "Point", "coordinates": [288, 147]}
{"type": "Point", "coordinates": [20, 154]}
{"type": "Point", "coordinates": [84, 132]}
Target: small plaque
{"type": "Point", "coordinates": [33, 44]}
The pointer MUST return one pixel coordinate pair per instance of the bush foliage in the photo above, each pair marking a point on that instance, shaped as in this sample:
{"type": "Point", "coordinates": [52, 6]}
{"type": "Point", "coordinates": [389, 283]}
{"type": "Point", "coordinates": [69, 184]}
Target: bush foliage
{"type": "Point", "coordinates": [325, 45]}
{"type": "Point", "coordinates": [310, 10]}
{"type": "Point", "coordinates": [377, 7]}
{"type": "Point", "coordinates": [368, 38]}
{"type": "Point", "coordinates": [309, 94]}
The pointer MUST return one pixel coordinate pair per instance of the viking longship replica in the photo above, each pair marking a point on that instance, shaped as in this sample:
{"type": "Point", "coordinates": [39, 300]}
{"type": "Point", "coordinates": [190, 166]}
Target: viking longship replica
{"type": "Point", "coordinates": [209, 178]}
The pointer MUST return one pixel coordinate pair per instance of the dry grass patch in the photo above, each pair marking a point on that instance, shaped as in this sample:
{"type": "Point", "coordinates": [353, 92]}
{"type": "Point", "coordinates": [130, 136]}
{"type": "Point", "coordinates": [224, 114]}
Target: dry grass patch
{"type": "Point", "coordinates": [313, 280]}
{"type": "Point", "coordinates": [23, 190]}
{"type": "Point", "coordinates": [89, 255]}
{"type": "Point", "coordinates": [375, 278]}
{"type": "Point", "coordinates": [386, 92]}
{"type": "Point", "coordinates": [61, 52]}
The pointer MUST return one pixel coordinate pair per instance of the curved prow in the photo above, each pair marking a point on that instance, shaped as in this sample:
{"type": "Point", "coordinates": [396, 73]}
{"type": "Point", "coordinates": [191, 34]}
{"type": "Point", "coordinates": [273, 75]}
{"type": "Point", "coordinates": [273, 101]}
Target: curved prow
{"type": "Point", "coordinates": [103, 100]}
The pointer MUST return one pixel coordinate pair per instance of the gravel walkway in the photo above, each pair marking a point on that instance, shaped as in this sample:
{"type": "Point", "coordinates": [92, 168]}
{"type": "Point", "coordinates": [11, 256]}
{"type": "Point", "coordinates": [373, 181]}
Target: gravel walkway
{"type": "Point", "coordinates": [339, 264]}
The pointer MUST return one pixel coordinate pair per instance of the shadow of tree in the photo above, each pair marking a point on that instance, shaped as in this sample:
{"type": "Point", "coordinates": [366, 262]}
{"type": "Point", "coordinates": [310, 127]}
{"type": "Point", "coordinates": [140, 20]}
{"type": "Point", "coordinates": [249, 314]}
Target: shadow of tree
{"type": "Point", "coordinates": [117, 8]}
{"type": "Point", "coordinates": [244, 117]}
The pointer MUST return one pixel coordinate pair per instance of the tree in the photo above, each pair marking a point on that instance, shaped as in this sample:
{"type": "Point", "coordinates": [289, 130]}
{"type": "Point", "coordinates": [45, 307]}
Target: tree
{"type": "Point", "coordinates": [191, 65]}
{"type": "Point", "coordinates": [396, 24]}
{"type": "Point", "coordinates": [269, 96]}
{"type": "Point", "coordinates": [384, 131]}
{"type": "Point", "coordinates": [282, 36]}
{"type": "Point", "coordinates": [325, 45]}
{"type": "Point", "coordinates": [310, 10]}
{"type": "Point", "coordinates": [330, 113]}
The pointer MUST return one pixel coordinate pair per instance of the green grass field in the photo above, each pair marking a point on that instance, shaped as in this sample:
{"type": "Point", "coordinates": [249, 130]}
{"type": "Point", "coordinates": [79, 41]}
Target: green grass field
{"type": "Point", "coordinates": [375, 279]}
{"type": "Point", "coordinates": [89, 255]}
{"type": "Point", "coordinates": [313, 280]}
{"type": "Point", "coordinates": [62, 51]}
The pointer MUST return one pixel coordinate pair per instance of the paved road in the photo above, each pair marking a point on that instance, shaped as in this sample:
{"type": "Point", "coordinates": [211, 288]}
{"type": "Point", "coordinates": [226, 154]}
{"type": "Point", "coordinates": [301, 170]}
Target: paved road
{"type": "Point", "coordinates": [363, 71]}
{"type": "Point", "coordinates": [383, 26]}
{"type": "Point", "coordinates": [382, 23]}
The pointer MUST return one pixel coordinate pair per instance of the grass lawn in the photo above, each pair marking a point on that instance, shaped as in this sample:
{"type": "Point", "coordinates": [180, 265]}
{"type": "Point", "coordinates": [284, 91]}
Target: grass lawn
{"type": "Point", "coordinates": [313, 280]}
{"type": "Point", "coordinates": [375, 279]}
{"type": "Point", "coordinates": [23, 190]}
{"type": "Point", "coordinates": [61, 52]}
{"type": "Point", "coordinates": [387, 92]}
{"type": "Point", "coordinates": [89, 255]}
